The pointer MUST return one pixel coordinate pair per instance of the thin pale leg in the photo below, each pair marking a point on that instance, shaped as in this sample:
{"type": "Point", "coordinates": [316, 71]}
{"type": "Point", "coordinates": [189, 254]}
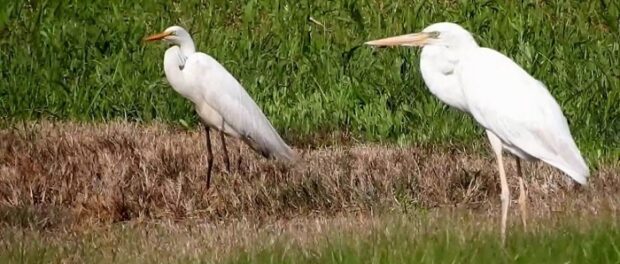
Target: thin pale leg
{"type": "Point", "coordinates": [226, 159]}
{"type": "Point", "coordinates": [239, 158]}
{"type": "Point", "coordinates": [496, 144]}
{"type": "Point", "coordinates": [209, 155]}
{"type": "Point", "coordinates": [522, 195]}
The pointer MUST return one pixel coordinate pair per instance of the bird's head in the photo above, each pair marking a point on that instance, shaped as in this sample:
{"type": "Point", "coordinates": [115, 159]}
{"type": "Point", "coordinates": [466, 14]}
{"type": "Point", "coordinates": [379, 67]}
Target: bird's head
{"type": "Point", "coordinates": [174, 35]}
{"type": "Point", "coordinates": [443, 34]}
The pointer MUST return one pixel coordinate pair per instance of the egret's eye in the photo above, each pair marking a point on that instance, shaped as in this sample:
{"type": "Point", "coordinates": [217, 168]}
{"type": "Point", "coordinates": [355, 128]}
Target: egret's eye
{"type": "Point", "coordinates": [433, 34]}
{"type": "Point", "coordinates": [173, 33]}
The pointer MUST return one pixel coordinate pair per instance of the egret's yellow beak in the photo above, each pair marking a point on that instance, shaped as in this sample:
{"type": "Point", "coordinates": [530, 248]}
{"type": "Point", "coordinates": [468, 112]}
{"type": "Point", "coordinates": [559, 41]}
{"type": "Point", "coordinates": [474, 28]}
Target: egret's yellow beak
{"type": "Point", "coordinates": [417, 39]}
{"type": "Point", "coordinates": [158, 36]}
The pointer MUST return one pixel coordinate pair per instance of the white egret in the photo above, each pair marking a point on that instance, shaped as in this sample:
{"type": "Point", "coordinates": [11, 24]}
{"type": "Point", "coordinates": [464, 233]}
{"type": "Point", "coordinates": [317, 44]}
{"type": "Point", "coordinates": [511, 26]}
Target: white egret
{"type": "Point", "coordinates": [517, 111]}
{"type": "Point", "coordinates": [220, 100]}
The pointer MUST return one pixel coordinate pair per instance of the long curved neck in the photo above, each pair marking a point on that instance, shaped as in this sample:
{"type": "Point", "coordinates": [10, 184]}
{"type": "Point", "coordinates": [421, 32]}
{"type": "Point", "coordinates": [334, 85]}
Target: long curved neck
{"type": "Point", "coordinates": [465, 45]}
{"type": "Point", "coordinates": [187, 46]}
{"type": "Point", "coordinates": [437, 65]}
{"type": "Point", "coordinates": [174, 63]}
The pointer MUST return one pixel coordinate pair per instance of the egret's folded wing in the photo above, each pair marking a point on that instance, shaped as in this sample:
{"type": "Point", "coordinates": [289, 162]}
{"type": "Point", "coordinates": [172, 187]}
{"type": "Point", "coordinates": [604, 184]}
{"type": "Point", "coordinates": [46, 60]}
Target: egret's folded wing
{"type": "Point", "coordinates": [519, 109]}
{"type": "Point", "coordinates": [225, 94]}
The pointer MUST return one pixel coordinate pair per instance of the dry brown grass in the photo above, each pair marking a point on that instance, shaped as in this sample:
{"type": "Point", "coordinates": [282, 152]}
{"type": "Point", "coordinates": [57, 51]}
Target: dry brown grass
{"type": "Point", "coordinates": [61, 175]}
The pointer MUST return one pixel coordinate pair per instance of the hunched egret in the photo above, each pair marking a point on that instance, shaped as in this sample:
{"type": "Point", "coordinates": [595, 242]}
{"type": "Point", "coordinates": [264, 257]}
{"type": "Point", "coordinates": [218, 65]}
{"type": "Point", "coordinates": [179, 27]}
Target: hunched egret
{"type": "Point", "coordinates": [517, 111]}
{"type": "Point", "coordinates": [220, 100]}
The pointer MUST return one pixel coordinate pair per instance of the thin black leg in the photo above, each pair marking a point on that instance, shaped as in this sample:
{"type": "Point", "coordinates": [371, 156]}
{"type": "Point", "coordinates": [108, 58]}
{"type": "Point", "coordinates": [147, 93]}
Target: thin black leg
{"type": "Point", "coordinates": [239, 159]}
{"type": "Point", "coordinates": [209, 155]}
{"type": "Point", "coordinates": [226, 158]}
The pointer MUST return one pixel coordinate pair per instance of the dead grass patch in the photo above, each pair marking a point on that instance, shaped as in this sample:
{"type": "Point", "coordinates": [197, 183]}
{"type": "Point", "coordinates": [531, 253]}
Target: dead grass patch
{"type": "Point", "coordinates": [70, 175]}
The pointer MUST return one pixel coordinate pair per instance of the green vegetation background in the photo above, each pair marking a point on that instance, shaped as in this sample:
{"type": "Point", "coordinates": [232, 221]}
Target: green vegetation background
{"type": "Point", "coordinates": [84, 60]}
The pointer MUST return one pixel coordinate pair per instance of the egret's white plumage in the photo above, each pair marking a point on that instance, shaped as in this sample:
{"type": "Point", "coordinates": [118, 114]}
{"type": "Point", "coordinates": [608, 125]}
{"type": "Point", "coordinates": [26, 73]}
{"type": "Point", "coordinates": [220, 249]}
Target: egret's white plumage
{"type": "Point", "coordinates": [220, 100]}
{"type": "Point", "coordinates": [224, 99]}
{"type": "Point", "coordinates": [437, 65]}
{"type": "Point", "coordinates": [517, 111]}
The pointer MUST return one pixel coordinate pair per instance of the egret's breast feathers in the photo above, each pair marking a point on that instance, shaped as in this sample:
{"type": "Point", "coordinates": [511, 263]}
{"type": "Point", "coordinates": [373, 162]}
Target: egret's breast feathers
{"type": "Point", "coordinates": [437, 66]}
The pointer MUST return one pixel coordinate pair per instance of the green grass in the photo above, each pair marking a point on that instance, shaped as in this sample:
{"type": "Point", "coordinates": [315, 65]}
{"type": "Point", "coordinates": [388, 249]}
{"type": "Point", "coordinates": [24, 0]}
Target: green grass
{"type": "Point", "coordinates": [402, 239]}
{"type": "Point", "coordinates": [402, 245]}
{"type": "Point", "coordinates": [85, 61]}
{"type": "Point", "coordinates": [560, 246]}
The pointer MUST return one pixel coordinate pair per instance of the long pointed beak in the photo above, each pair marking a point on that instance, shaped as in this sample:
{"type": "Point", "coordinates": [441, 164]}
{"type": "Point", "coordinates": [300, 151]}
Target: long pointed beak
{"type": "Point", "coordinates": [417, 39]}
{"type": "Point", "coordinates": [156, 37]}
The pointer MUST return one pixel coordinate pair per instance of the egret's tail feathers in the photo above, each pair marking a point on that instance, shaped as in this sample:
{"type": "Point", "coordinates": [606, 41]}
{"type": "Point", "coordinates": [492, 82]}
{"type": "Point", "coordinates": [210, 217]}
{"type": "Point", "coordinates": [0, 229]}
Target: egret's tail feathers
{"type": "Point", "coordinates": [570, 161]}
{"type": "Point", "coordinates": [578, 173]}
{"type": "Point", "coordinates": [272, 147]}
{"type": "Point", "coordinates": [280, 150]}
{"type": "Point", "coordinates": [285, 153]}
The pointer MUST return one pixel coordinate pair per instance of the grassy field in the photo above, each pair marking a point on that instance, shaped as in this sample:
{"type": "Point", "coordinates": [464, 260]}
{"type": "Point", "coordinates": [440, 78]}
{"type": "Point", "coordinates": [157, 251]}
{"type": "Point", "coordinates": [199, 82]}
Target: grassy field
{"type": "Point", "coordinates": [447, 238]}
{"type": "Point", "coordinates": [86, 61]}
{"type": "Point", "coordinates": [122, 192]}
{"type": "Point", "coordinates": [102, 162]}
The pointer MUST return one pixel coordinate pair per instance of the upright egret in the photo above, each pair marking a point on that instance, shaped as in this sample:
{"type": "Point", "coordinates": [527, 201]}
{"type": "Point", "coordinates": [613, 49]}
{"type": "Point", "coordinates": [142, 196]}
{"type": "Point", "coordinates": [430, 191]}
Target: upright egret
{"type": "Point", "coordinates": [220, 100]}
{"type": "Point", "coordinates": [517, 111]}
